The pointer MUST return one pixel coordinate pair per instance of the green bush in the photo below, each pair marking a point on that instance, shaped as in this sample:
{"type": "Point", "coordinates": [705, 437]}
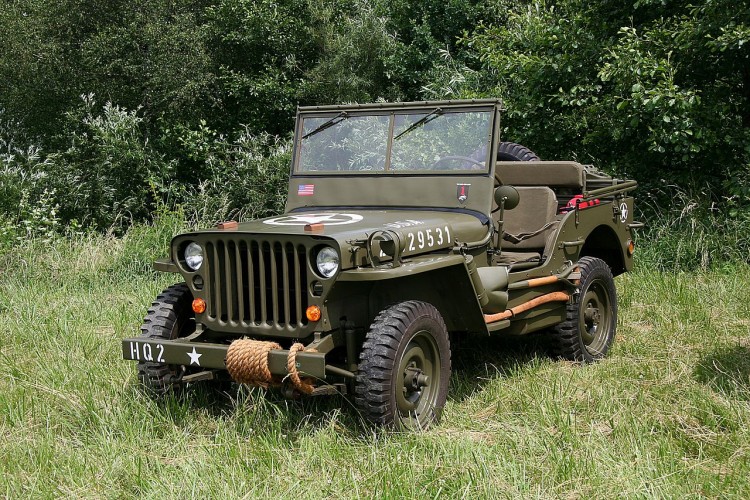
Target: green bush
{"type": "Point", "coordinates": [656, 91]}
{"type": "Point", "coordinates": [109, 175]}
{"type": "Point", "coordinates": [243, 177]}
{"type": "Point", "coordinates": [27, 201]}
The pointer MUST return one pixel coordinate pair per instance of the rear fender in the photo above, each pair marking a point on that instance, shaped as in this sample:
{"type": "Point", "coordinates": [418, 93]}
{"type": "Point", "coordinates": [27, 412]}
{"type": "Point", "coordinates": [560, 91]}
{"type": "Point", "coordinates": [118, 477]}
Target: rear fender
{"type": "Point", "coordinates": [604, 243]}
{"type": "Point", "coordinates": [594, 233]}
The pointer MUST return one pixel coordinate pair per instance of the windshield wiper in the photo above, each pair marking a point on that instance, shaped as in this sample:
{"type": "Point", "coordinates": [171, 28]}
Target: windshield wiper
{"type": "Point", "coordinates": [327, 124]}
{"type": "Point", "coordinates": [425, 119]}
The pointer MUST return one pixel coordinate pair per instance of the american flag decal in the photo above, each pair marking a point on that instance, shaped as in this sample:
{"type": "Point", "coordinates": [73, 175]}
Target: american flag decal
{"type": "Point", "coordinates": [306, 190]}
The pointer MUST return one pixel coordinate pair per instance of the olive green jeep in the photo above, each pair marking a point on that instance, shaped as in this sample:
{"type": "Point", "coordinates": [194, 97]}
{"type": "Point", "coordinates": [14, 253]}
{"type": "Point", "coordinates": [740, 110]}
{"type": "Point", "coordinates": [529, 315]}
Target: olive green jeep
{"type": "Point", "coordinates": [403, 223]}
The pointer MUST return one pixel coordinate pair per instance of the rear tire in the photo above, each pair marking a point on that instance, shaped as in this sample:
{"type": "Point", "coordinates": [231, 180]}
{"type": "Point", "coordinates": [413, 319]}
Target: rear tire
{"type": "Point", "coordinates": [590, 323]}
{"type": "Point", "coordinates": [404, 367]}
{"type": "Point", "coordinates": [169, 317]}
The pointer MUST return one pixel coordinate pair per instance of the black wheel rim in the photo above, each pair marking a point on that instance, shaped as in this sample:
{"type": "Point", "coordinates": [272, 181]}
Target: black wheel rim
{"type": "Point", "coordinates": [418, 381]}
{"type": "Point", "coordinates": [595, 318]}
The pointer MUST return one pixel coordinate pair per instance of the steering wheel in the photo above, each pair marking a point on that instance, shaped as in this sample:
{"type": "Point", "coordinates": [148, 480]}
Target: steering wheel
{"type": "Point", "coordinates": [454, 158]}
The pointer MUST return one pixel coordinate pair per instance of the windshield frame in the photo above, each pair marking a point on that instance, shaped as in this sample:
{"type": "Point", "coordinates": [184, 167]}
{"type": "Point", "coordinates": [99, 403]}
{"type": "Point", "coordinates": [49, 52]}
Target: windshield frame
{"type": "Point", "coordinates": [491, 106]}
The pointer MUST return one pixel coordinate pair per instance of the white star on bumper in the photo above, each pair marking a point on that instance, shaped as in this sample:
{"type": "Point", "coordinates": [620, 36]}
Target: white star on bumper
{"type": "Point", "coordinates": [194, 357]}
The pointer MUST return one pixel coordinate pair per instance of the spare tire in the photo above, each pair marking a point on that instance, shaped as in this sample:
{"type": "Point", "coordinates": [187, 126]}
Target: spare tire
{"type": "Point", "coordinates": [510, 151]}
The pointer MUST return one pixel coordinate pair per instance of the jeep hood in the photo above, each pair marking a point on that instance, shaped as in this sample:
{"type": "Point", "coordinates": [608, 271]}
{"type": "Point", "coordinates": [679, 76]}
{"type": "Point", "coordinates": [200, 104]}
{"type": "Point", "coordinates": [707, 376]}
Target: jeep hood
{"type": "Point", "coordinates": [421, 231]}
{"type": "Point", "coordinates": [347, 224]}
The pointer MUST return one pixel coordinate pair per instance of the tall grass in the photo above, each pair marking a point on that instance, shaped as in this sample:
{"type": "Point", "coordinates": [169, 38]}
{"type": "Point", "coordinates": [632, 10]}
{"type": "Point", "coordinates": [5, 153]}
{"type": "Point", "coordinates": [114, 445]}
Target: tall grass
{"type": "Point", "coordinates": [686, 231]}
{"type": "Point", "coordinates": [667, 414]}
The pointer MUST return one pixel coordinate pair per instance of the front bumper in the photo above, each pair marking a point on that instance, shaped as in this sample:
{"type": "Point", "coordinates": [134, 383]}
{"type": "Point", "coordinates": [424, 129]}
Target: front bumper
{"type": "Point", "coordinates": [213, 356]}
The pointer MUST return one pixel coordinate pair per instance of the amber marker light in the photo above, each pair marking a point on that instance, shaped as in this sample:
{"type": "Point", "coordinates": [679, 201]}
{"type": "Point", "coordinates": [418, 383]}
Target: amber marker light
{"type": "Point", "coordinates": [313, 313]}
{"type": "Point", "coordinates": [199, 306]}
{"type": "Point", "coordinates": [631, 247]}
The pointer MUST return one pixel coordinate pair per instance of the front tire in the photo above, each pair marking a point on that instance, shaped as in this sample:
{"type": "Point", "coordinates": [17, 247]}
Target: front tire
{"type": "Point", "coordinates": [590, 324]}
{"type": "Point", "coordinates": [169, 317]}
{"type": "Point", "coordinates": [404, 367]}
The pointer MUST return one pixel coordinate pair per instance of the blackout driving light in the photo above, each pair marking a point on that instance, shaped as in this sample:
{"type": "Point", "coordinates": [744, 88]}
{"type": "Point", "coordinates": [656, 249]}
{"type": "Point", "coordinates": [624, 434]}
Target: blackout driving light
{"type": "Point", "coordinates": [327, 261]}
{"type": "Point", "coordinates": [194, 256]}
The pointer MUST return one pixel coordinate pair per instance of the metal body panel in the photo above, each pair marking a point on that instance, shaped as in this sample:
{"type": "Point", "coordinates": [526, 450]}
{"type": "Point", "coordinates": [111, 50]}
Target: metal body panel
{"type": "Point", "coordinates": [254, 283]}
{"type": "Point", "coordinates": [347, 224]}
{"type": "Point", "coordinates": [573, 232]}
{"type": "Point", "coordinates": [166, 266]}
{"type": "Point", "coordinates": [415, 105]}
{"type": "Point", "coordinates": [573, 228]}
{"type": "Point", "coordinates": [413, 192]}
{"type": "Point", "coordinates": [241, 300]}
{"type": "Point", "coordinates": [414, 266]}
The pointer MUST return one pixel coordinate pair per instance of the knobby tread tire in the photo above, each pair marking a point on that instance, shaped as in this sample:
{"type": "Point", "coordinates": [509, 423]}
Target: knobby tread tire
{"type": "Point", "coordinates": [166, 319]}
{"type": "Point", "coordinates": [391, 331]}
{"type": "Point", "coordinates": [510, 151]}
{"type": "Point", "coordinates": [567, 341]}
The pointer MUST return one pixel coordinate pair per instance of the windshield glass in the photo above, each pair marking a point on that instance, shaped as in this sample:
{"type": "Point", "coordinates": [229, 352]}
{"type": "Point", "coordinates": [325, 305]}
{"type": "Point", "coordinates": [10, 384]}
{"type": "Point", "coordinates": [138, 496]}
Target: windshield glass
{"type": "Point", "coordinates": [416, 141]}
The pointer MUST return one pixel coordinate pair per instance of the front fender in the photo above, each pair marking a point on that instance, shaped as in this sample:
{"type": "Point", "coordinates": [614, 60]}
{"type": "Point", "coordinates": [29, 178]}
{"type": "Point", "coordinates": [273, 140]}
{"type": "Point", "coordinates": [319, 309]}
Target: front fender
{"type": "Point", "coordinates": [441, 280]}
{"type": "Point", "coordinates": [414, 266]}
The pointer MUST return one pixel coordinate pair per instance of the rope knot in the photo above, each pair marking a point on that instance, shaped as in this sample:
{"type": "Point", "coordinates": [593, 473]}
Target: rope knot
{"type": "Point", "coordinates": [302, 385]}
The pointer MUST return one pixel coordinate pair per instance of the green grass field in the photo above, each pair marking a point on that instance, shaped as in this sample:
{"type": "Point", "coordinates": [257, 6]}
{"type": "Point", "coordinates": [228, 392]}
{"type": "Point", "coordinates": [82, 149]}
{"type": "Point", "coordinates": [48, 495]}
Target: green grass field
{"type": "Point", "coordinates": [667, 414]}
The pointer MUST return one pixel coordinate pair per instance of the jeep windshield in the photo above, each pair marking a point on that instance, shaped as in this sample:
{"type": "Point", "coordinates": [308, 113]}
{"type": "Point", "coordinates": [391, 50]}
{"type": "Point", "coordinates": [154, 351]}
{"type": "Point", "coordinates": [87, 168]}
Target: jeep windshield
{"type": "Point", "coordinates": [433, 140]}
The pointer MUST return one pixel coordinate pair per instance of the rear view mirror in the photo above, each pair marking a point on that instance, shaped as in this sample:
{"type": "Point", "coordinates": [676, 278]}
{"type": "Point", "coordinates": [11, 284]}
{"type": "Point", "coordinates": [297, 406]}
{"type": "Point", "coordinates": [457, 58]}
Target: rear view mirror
{"type": "Point", "coordinates": [507, 197]}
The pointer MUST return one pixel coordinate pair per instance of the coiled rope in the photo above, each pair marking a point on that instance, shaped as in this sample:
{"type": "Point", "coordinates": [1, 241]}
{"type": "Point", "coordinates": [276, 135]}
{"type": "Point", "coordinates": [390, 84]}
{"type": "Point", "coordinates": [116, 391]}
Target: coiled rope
{"type": "Point", "coordinates": [247, 363]}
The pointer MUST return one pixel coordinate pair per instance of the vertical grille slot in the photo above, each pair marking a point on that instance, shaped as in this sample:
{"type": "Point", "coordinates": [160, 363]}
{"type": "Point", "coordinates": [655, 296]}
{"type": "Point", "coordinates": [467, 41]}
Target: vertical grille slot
{"type": "Point", "coordinates": [264, 272]}
{"type": "Point", "coordinates": [241, 267]}
{"type": "Point", "coordinates": [231, 281]}
{"type": "Point", "coordinates": [257, 283]}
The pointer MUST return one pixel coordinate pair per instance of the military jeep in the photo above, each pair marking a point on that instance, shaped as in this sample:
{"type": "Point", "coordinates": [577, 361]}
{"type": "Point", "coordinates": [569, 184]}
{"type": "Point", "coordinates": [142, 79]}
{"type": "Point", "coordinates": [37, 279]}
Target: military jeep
{"type": "Point", "coordinates": [403, 223]}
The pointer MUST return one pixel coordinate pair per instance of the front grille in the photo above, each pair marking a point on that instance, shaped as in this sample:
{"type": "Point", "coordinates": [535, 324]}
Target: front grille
{"type": "Point", "coordinates": [257, 282]}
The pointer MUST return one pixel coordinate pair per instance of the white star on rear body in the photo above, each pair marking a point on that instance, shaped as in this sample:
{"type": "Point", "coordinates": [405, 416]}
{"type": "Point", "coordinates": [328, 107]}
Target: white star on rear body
{"type": "Point", "coordinates": [194, 357]}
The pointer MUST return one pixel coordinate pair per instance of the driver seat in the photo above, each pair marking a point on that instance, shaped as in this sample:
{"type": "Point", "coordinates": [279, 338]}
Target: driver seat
{"type": "Point", "coordinates": [528, 226]}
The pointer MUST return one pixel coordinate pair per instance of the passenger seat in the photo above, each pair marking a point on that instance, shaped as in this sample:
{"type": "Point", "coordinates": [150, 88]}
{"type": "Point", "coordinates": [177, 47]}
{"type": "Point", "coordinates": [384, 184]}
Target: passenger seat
{"type": "Point", "coordinates": [537, 208]}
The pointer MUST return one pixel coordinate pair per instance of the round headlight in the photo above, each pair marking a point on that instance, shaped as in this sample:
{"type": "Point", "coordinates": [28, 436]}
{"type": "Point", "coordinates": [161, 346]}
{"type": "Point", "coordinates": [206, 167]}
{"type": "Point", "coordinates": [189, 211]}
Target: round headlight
{"type": "Point", "coordinates": [194, 256]}
{"type": "Point", "coordinates": [327, 261]}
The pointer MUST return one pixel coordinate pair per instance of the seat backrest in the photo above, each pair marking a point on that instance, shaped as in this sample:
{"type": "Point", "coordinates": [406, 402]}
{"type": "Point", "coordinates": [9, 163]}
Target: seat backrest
{"type": "Point", "coordinates": [537, 207]}
{"type": "Point", "coordinates": [541, 173]}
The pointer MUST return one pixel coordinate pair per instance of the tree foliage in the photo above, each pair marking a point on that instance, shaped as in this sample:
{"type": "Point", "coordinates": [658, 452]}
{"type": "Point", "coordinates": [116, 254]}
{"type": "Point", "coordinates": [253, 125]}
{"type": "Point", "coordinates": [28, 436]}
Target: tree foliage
{"type": "Point", "coordinates": [198, 93]}
{"type": "Point", "coordinates": [659, 91]}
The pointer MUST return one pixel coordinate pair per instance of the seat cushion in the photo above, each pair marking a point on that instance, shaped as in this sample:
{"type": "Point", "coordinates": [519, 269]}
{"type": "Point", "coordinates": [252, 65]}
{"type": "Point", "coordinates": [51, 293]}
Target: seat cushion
{"type": "Point", "coordinates": [507, 258]}
{"type": "Point", "coordinates": [537, 207]}
{"type": "Point", "coordinates": [549, 173]}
